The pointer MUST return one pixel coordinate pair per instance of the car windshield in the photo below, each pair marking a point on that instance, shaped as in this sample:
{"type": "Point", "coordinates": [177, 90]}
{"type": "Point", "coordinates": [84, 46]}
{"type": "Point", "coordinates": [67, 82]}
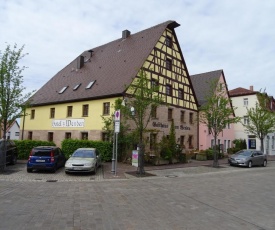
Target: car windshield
{"type": "Point", "coordinates": [244, 153]}
{"type": "Point", "coordinates": [84, 153]}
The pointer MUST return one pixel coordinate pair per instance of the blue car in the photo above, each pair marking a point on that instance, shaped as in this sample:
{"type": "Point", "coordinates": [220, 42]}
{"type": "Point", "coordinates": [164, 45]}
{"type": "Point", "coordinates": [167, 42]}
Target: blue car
{"type": "Point", "coordinates": [45, 158]}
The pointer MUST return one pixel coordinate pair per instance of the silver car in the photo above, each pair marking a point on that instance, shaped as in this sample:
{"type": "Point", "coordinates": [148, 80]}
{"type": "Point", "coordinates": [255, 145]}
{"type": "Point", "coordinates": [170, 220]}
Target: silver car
{"type": "Point", "coordinates": [248, 158]}
{"type": "Point", "coordinates": [83, 160]}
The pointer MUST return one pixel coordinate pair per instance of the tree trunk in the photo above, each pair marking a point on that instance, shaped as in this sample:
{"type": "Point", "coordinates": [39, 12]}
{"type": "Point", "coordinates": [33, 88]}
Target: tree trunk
{"type": "Point", "coordinates": [216, 158]}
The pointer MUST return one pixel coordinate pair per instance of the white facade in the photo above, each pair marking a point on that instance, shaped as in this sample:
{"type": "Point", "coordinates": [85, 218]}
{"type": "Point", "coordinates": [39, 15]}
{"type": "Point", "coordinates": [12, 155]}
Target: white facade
{"type": "Point", "coordinates": [242, 103]}
{"type": "Point", "coordinates": [13, 131]}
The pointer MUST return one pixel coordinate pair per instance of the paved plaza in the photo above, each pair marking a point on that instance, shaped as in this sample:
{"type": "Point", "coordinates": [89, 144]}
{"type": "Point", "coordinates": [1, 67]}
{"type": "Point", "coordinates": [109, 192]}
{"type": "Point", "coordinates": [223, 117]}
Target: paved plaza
{"type": "Point", "coordinates": [190, 198]}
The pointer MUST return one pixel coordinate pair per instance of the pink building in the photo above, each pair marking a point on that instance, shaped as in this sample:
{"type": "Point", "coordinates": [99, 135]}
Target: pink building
{"type": "Point", "coordinates": [202, 86]}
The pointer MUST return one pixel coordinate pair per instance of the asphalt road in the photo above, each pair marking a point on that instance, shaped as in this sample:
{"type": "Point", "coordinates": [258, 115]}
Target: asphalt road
{"type": "Point", "coordinates": [192, 199]}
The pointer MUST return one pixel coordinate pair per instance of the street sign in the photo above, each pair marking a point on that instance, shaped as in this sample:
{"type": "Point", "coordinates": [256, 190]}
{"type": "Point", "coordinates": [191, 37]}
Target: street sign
{"type": "Point", "coordinates": [117, 121]}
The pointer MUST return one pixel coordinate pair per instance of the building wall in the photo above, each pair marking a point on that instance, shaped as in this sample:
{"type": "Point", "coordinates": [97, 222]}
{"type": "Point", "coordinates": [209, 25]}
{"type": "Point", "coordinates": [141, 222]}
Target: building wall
{"type": "Point", "coordinates": [42, 123]}
{"type": "Point", "coordinates": [225, 138]}
{"type": "Point", "coordinates": [13, 132]}
{"type": "Point", "coordinates": [241, 111]}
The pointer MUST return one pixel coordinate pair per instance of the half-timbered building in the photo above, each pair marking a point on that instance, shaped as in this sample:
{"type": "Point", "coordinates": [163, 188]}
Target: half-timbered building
{"type": "Point", "coordinates": [71, 104]}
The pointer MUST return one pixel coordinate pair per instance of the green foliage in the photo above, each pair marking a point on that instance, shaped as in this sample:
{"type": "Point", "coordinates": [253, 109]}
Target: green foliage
{"type": "Point", "coordinates": [25, 146]}
{"type": "Point", "coordinates": [210, 154]}
{"type": "Point", "coordinates": [261, 119]}
{"type": "Point", "coordinates": [11, 85]}
{"type": "Point", "coordinates": [70, 145]}
{"type": "Point", "coordinates": [172, 141]}
{"type": "Point", "coordinates": [240, 143]}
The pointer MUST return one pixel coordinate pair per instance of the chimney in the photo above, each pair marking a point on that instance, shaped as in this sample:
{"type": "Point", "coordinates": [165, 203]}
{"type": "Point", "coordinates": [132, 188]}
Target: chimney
{"type": "Point", "coordinates": [251, 88]}
{"type": "Point", "coordinates": [80, 62]}
{"type": "Point", "coordinates": [125, 34]}
{"type": "Point", "coordinates": [91, 52]}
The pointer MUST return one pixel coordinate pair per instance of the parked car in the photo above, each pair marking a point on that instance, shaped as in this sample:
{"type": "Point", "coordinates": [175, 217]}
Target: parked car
{"type": "Point", "coordinates": [83, 160]}
{"type": "Point", "coordinates": [46, 158]}
{"type": "Point", "coordinates": [11, 151]}
{"type": "Point", "coordinates": [248, 158]}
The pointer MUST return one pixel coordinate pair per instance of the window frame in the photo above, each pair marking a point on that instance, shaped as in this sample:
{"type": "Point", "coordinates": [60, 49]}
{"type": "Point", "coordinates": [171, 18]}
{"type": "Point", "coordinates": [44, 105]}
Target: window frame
{"type": "Point", "coordinates": [85, 110]}
{"type": "Point", "coordinates": [69, 111]}
{"type": "Point", "coordinates": [106, 108]}
{"type": "Point", "coordinates": [52, 112]}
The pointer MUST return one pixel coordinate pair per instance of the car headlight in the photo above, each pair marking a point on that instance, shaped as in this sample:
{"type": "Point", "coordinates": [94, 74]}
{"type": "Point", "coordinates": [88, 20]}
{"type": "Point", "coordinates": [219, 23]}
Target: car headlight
{"type": "Point", "coordinates": [68, 164]}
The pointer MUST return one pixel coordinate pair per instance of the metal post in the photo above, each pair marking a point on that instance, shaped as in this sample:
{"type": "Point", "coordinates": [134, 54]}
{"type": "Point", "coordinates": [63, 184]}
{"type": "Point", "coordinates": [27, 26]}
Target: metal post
{"type": "Point", "coordinates": [113, 156]}
{"type": "Point", "coordinates": [116, 153]}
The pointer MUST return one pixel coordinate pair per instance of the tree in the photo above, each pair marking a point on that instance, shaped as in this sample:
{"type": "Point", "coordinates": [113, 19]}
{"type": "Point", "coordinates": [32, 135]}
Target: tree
{"type": "Point", "coordinates": [217, 113]}
{"type": "Point", "coordinates": [11, 86]}
{"type": "Point", "coordinates": [261, 119]}
{"type": "Point", "coordinates": [142, 97]}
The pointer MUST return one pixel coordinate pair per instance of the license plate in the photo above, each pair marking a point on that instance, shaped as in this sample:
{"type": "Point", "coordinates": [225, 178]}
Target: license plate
{"type": "Point", "coordinates": [77, 168]}
{"type": "Point", "coordinates": [40, 160]}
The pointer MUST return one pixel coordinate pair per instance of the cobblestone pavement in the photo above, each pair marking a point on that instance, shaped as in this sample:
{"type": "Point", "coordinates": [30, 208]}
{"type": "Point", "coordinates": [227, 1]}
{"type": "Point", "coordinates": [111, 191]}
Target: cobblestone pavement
{"type": "Point", "coordinates": [197, 198]}
{"type": "Point", "coordinates": [191, 198]}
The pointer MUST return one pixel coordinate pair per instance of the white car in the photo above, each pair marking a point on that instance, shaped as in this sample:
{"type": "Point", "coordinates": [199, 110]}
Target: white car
{"type": "Point", "coordinates": [83, 160]}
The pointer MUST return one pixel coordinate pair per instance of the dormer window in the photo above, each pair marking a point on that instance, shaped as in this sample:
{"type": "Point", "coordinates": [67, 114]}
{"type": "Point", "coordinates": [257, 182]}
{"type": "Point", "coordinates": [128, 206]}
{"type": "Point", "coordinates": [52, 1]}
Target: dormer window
{"type": "Point", "coordinates": [90, 85]}
{"type": "Point", "coordinates": [63, 90]}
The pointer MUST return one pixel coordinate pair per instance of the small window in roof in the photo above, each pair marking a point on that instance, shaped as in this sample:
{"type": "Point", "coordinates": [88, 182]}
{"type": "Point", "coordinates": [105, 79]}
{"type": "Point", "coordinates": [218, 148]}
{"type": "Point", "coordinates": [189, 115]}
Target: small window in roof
{"type": "Point", "coordinates": [77, 86]}
{"type": "Point", "coordinates": [63, 89]}
{"type": "Point", "coordinates": [90, 85]}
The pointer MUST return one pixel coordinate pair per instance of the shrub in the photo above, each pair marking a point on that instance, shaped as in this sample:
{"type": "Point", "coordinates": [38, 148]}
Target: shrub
{"type": "Point", "coordinates": [105, 148]}
{"type": "Point", "coordinates": [25, 146]}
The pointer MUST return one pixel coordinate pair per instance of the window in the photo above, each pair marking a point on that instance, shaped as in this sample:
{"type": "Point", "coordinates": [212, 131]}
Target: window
{"type": "Point", "coordinates": [106, 108]}
{"type": "Point", "coordinates": [69, 111]}
{"type": "Point", "coordinates": [191, 118]}
{"type": "Point", "coordinates": [50, 136]}
{"type": "Point", "coordinates": [90, 85]}
{"type": "Point", "coordinates": [168, 64]}
{"type": "Point", "coordinates": [105, 137]}
{"type": "Point", "coordinates": [68, 135]}
{"type": "Point", "coordinates": [169, 90]}
{"type": "Point", "coordinates": [182, 141]}
{"type": "Point", "coordinates": [190, 142]}
{"type": "Point", "coordinates": [32, 114]}
{"type": "Point", "coordinates": [180, 94]}
{"type": "Point", "coordinates": [63, 90]}
{"type": "Point", "coordinates": [52, 112]}
{"type": "Point", "coordinates": [170, 114]}
{"type": "Point", "coordinates": [228, 144]}
{"type": "Point", "coordinates": [182, 116]}
{"type": "Point", "coordinates": [168, 41]}
{"type": "Point", "coordinates": [154, 83]}
{"type": "Point", "coordinates": [245, 102]}
{"type": "Point", "coordinates": [84, 136]}
{"type": "Point", "coordinates": [17, 134]}
{"type": "Point", "coordinates": [76, 87]}
{"type": "Point", "coordinates": [29, 135]}
{"type": "Point", "coordinates": [85, 110]}
{"type": "Point", "coordinates": [153, 141]}
{"type": "Point", "coordinates": [246, 120]}
{"type": "Point", "coordinates": [154, 111]}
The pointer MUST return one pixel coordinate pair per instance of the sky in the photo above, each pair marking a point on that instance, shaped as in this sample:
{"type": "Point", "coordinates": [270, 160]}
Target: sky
{"type": "Point", "coordinates": [237, 36]}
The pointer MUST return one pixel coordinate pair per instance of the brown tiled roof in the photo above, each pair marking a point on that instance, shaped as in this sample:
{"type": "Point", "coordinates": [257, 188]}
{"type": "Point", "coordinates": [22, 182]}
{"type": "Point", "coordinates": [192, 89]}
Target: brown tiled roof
{"type": "Point", "coordinates": [241, 92]}
{"type": "Point", "coordinates": [112, 67]}
{"type": "Point", "coordinates": [202, 84]}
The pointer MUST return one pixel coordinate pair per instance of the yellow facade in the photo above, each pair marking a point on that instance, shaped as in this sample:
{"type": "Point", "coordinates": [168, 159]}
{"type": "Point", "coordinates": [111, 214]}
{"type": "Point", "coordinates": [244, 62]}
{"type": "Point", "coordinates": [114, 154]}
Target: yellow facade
{"type": "Point", "coordinates": [42, 120]}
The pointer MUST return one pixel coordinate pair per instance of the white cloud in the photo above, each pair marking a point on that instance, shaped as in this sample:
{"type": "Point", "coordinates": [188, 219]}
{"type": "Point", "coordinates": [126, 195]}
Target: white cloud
{"type": "Point", "coordinates": [237, 36]}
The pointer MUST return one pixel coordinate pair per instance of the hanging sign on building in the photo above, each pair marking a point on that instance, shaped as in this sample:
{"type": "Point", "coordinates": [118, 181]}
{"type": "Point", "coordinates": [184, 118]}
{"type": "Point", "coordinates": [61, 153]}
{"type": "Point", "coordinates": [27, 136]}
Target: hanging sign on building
{"type": "Point", "coordinates": [68, 123]}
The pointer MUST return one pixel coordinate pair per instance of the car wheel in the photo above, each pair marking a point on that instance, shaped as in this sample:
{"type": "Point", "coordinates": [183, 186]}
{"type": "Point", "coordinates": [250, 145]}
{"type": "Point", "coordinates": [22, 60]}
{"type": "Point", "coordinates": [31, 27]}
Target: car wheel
{"type": "Point", "coordinates": [13, 160]}
{"type": "Point", "coordinates": [249, 165]}
{"type": "Point", "coordinates": [29, 170]}
{"type": "Point", "coordinates": [264, 163]}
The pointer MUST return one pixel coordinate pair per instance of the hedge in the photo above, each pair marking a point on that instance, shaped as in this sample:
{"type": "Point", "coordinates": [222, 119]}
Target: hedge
{"type": "Point", "coordinates": [25, 146]}
{"type": "Point", "coordinates": [105, 148]}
